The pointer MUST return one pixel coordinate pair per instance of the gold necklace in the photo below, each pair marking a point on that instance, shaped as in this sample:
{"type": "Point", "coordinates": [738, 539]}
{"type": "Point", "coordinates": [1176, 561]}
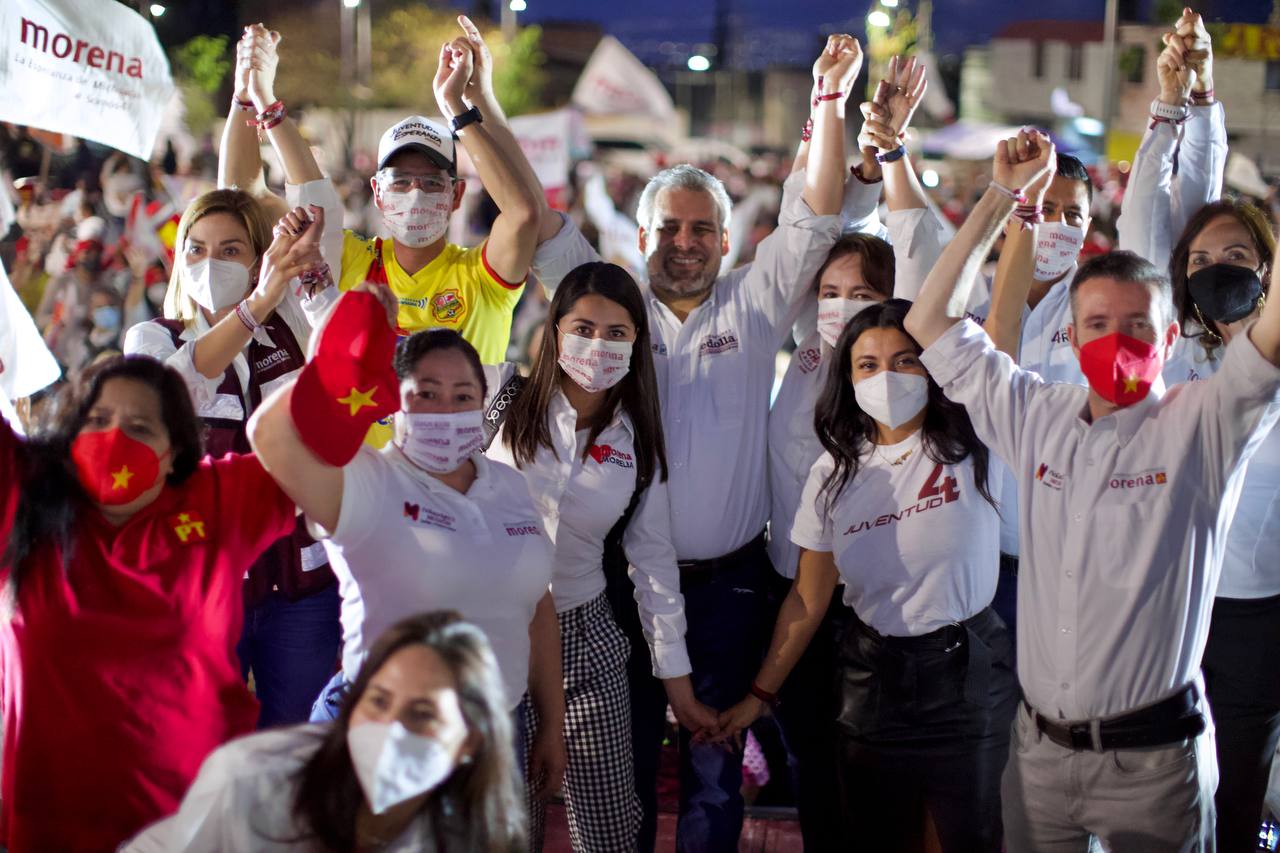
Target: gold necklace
{"type": "Point", "coordinates": [899, 460]}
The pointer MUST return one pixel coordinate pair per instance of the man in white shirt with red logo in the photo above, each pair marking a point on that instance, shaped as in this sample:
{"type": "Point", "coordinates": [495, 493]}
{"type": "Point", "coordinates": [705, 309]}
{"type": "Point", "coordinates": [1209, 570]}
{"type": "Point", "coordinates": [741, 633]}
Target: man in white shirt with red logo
{"type": "Point", "coordinates": [1126, 495]}
{"type": "Point", "coordinates": [714, 341]}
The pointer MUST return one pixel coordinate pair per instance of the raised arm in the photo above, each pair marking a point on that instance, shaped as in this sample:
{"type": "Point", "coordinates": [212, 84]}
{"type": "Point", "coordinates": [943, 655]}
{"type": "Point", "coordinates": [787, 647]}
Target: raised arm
{"type": "Point", "coordinates": [1178, 167]}
{"type": "Point", "coordinates": [502, 167]}
{"type": "Point", "coordinates": [1265, 333]}
{"type": "Point", "coordinates": [239, 158]}
{"type": "Point", "coordinates": [834, 70]}
{"type": "Point", "coordinates": [940, 304]}
{"type": "Point", "coordinates": [1015, 271]}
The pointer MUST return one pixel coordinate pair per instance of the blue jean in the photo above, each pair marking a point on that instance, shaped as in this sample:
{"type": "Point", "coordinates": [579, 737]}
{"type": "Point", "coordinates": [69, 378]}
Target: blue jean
{"type": "Point", "coordinates": [291, 646]}
{"type": "Point", "coordinates": [730, 618]}
{"type": "Point", "coordinates": [328, 703]}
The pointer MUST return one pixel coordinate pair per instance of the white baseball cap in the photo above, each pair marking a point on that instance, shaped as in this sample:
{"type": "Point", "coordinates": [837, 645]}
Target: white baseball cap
{"type": "Point", "coordinates": [432, 138]}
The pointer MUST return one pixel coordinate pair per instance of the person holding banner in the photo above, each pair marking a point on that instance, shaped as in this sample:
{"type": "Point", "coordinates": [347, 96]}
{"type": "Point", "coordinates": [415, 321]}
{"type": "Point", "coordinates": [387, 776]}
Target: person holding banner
{"type": "Point", "coordinates": [715, 339]}
{"type": "Point", "coordinates": [121, 589]}
{"type": "Point", "coordinates": [416, 187]}
{"type": "Point", "coordinates": [234, 330]}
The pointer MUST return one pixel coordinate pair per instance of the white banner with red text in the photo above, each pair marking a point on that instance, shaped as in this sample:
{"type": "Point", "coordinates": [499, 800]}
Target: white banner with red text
{"type": "Point", "coordinates": [90, 68]}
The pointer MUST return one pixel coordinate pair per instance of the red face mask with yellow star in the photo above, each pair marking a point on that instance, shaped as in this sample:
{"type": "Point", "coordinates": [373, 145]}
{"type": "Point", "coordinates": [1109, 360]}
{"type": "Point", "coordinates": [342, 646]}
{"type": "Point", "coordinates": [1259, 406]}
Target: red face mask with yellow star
{"type": "Point", "coordinates": [113, 468]}
{"type": "Point", "coordinates": [1120, 368]}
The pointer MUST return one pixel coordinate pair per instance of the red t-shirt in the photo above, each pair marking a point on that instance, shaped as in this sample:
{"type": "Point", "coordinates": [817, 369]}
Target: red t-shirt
{"type": "Point", "coordinates": [118, 676]}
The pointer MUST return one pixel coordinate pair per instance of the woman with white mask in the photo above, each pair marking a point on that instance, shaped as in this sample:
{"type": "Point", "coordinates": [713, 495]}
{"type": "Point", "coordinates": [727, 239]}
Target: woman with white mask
{"type": "Point", "coordinates": [426, 523]}
{"type": "Point", "coordinates": [234, 329]}
{"type": "Point", "coordinates": [419, 759]}
{"type": "Point", "coordinates": [902, 510]}
{"type": "Point", "coordinates": [586, 432]}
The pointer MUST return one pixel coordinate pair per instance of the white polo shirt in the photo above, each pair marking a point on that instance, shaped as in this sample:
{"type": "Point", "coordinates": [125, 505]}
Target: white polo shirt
{"type": "Point", "coordinates": [1123, 521]}
{"type": "Point", "coordinates": [1251, 566]}
{"type": "Point", "coordinates": [917, 545]}
{"type": "Point", "coordinates": [715, 374]}
{"type": "Point", "coordinates": [1045, 348]}
{"type": "Point", "coordinates": [580, 500]}
{"type": "Point", "coordinates": [406, 543]}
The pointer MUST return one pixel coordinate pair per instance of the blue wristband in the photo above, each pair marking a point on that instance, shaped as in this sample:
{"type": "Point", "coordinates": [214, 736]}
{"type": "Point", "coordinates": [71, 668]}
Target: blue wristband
{"type": "Point", "coordinates": [892, 156]}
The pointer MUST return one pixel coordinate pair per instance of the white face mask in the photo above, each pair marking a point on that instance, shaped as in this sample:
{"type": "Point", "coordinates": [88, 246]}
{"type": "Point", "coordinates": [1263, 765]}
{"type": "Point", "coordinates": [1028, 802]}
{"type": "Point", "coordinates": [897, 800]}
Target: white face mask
{"type": "Point", "coordinates": [394, 765]}
{"type": "Point", "coordinates": [416, 218]}
{"type": "Point", "coordinates": [1057, 247]}
{"type": "Point", "coordinates": [835, 314]}
{"type": "Point", "coordinates": [215, 284]}
{"type": "Point", "coordinates": [892, 398]}
{"type": "Point", "coordinates": [594, 364]}
{"type": "Point", "coordinates": [440, 443]}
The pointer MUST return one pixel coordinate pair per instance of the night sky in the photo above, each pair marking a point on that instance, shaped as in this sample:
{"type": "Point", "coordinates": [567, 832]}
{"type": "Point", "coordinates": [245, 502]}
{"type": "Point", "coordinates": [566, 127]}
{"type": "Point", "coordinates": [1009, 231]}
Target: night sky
{"type": "Point", "coordinates": [775, 26]}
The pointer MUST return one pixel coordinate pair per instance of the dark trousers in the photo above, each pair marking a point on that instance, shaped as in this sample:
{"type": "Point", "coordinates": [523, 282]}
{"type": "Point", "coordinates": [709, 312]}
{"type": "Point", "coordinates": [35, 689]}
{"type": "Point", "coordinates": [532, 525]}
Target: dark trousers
{"type": "Point", "coordinates": [1244, 636]}
{"type": "Point", "coordinates": [806, 718]}
{"type": "Point", "coordinates": [730, 616]}
{"type": "Point", "coordinates": [924, 724]}
{"type": "Point", "coordinates": [292, 648]}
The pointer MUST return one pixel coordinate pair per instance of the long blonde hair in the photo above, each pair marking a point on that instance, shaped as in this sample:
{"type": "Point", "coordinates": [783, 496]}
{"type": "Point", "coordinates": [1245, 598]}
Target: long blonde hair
{"type": "Point", "coordinates": [245, 208]}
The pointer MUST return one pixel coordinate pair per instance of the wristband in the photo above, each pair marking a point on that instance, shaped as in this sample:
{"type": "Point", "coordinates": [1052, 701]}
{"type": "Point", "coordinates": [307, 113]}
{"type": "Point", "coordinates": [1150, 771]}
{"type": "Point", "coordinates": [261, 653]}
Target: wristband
{"type": "Point", "coordinates": [770, 699]}
{"type": "Point", "coordinates": [856, 171]}
{"type": "Point", "coordinates": [1029, 214]}
{"type": "Point", "coordinates": [817, 90]}
{"type": "Point", "coordinates": [830, 96]}
{"type": "Point", "coordinates": [1202, 99]}
{"type": "Point", "coordinates": [1162, 112]}
{"type": "Point", "coordinates": [245, 316]}
{"type": "Point", "coordinates": [314, 278]}
{"type": "Point", "coordinates": [461, 120]}
{"type": "Point", "coordinates": [243, 106]}
{"type": "Point", "coordinates": [270, 117]}
{"type": "Point", "coordinates": [806, 130]}
{"type": "Point", "coordinates": [1016, 195]}
{"type": "Point", "coordinates": [891, 156]}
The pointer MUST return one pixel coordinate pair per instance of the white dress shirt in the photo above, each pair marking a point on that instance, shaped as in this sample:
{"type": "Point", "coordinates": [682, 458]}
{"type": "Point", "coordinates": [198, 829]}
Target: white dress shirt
{"type": "Point", "coordinates": [406, 543]}
{"type": "Point", "coordinates": [1123, 521]}
{"type": "Point", "coordinates": [715, 374]}
{"type": "Point", "coordinates": [1176, 171]}
{"type": "Point", "coordinates": [793, 445]}
{"type": "Point", "coordinates": [580, 500]}
{"type": "Point", "coordinates": [243, 800]}
{"type": "Point", "coordinates": [917, 545]}
{"type": "Point", "coordinates": [1251, 565]}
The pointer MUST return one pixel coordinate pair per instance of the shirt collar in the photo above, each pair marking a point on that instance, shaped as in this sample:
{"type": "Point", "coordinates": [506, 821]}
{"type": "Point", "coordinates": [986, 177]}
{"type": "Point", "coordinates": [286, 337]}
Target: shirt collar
{"type": "Point", "coordinates": [1128, 420]}
{"type": "Point", "coordinates": [482, 484]}
{"type": "Point", "coordinates": [562, 408]}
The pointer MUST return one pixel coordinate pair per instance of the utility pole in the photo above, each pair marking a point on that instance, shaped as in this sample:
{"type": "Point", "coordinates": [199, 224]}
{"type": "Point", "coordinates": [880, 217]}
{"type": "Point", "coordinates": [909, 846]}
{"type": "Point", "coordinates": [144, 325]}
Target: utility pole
{"type": "Point", "coordinates": [1109, 54]}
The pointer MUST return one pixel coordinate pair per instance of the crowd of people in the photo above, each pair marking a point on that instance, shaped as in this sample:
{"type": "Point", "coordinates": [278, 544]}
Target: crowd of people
{"type": "Point", "coordinates": [999, 553]}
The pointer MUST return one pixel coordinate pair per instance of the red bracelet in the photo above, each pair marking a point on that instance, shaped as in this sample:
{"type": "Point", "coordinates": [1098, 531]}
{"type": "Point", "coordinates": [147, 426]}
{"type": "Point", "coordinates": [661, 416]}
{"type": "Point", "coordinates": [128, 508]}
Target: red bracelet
{"type": "Point", "coordinates": [1017, 195]}
{"type": "Point", "coordinates": [1029, 214]}
{"type": "Point", "coordinates": [1202, 98]}
{"type": "Point", "coordinates": [830, 96]}
{"type": "Point", "coordinates": [818, 88]}
{"type": "Point", "coordinates": [270, 117]}
{"type": "Point", "coordinates": [806, 130]}
{"type": "Point", "coordinates": [245, 316]}
{"type": "Point", "coordinates": [770, 699]}
{"type": "Point", "coordinates": [243, 106]}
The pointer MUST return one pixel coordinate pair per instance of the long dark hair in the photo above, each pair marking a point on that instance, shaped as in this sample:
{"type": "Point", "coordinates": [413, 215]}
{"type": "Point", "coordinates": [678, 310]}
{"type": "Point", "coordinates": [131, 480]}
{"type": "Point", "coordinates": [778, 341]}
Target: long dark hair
{"type": "Point", "coordinates": [50, 494]}
{"type": "Point", "coordinates": [844, 428]}
{"type": "Point", "coordinates": [479, 800]}
{"type": "Point", "coordinates": [1264, 243]}
{"type": "Point", "coordinates": [526, 427]}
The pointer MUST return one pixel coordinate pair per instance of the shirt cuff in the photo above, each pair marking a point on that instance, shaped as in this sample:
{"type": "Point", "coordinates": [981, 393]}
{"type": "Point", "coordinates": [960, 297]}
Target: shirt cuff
{"type": "Point", "coordinates": [952, 353]}
{"type": "Point", "coordinates": [670, 660]}
{"type": "Point", "coordinates": [796, 212]}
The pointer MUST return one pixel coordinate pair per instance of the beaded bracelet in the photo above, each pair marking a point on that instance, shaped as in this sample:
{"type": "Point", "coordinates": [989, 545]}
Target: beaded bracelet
{"type": "Point", "coordinates": [313, 279]}
{"type": "Point", "coordinates": [806, 130]}
{"type": "Point", "coordinates": [1016, 195]}
{"type": "Point", "coordinates": [270, 117]}
{"type": "Point", "coordinates": [1029, 214]}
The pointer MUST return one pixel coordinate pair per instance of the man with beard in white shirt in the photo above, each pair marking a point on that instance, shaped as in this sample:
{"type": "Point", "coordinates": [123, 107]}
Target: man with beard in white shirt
{"type": "Point", "coordinates": [714, 342]}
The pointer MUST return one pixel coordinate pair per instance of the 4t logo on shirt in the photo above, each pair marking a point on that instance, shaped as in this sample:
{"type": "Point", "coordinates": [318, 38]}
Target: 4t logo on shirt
{"type": "Point", "coordinates": [938, 489]}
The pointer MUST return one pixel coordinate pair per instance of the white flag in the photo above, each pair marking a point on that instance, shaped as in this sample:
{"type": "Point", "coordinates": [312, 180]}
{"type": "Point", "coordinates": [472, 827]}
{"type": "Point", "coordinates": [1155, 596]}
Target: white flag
{"type": "Point", "coordinates": [615, 82]}
{"type": "Point", "coordinates": [90, 68]}
{"type": "Point", "coordinates": [26, 365]}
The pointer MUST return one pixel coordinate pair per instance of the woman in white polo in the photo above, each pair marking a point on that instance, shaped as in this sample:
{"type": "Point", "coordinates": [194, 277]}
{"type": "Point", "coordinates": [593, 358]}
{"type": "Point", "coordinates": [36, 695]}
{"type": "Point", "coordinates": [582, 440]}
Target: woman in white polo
{"type": "Point", "coordinates": [901, 509]}
{"type": "Point", "coordinates": [586, 432]}
{"type": "Point", "coordinates": [428, 523]}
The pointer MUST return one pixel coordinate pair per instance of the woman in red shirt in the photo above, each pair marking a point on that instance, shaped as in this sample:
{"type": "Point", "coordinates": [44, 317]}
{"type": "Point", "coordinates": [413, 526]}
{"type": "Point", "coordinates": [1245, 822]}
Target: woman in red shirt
{"type": "Point", "coordinates": [121, 584]}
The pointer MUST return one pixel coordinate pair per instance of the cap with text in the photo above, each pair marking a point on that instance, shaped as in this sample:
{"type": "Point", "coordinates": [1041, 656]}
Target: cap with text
{"type": "Point", "coordinates": [422, 134]}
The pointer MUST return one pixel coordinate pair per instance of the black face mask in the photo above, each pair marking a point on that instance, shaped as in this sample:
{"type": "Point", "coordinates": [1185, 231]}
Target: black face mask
{"type": "Point", "coordinates": [1225, 293]}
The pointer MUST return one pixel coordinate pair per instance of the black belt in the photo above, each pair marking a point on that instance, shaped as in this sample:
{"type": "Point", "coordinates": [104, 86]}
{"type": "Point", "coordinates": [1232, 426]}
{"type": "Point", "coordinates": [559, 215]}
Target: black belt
{"type": "Point", "coordinates": [728, 561]}
{"type": "Point", "coordinates": [948, 639]}
{"type": "Point", "coordinates": [1165, 722]}
{"type": "Point", "coordinates": [1008, 564]}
